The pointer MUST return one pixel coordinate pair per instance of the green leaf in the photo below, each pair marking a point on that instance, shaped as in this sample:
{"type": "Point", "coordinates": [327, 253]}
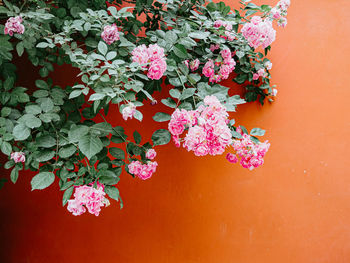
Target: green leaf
{"type": "Point", "coordinates": [90, 145]}
{"type": "Point", "coordinates": [41, 84]}
{"type": "Point", "coordinates": [257, 132]}
{"type": "Point", "coordinates": [175, 93]}
{"type": "Point", "coordinates": [161, 116]}
{"type": "Point", "coordinates": [199, 35]}
{"type": "Point", "coordinates": [20, 48]}
{"type": "Point", "coordinates": [32, 121]}
{"type": "Point", "coordinates": [42, 180]}
{"type": "Point", "coordinates": [33, 109]}
{"type": "Point", "coordinates": [137, 137]}
{"type": "Point", "coordinates": [180, 51]}
{"type": "Point", "coordinates": [102, 48]}
{"type": "Point", "coordinates": [45, 141]}
{"type": "Point", "coordinates": [112, 192]}
{"type": "Point", "coordinates": [46, 104]}
{"type": "Point", "coordinates": [187, 93]}
{"type": "Point", "coordinates": [169, 102]}
{"type": "Point", "coordinates": [67, 194]}
{"type": "Point", "coordinates": [161, 137]}
{"type": "Point", "coordinates": [45, 155]}
{"type": "Point", "coordinates": [6, 111]}
{"type": "Point", "coordinates": [108, 177]}
{"type": "Point", "coordinates": [14, 175]}
{"type": "Point", "coordinates": [6, 148]}
{"type": "Point", "coordinates": [117, 153]}
{"type": "Point", "coordinates": [77, 132]}
{"type": "Point", "coordinates": [67, 151]}
{"type": "Point", "coordinates": [21, 132]}
{"type": "Point", "coordinates": [42, 45]}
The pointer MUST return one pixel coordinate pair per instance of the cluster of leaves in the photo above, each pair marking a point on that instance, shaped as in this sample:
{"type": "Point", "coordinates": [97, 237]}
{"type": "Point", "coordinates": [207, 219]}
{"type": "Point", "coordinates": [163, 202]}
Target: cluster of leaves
{"type": "Point", "coordinates": [56, 126]}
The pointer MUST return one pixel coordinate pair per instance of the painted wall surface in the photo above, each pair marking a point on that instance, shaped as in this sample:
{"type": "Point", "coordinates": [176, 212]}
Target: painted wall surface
{"type": "Point", "coordinates": [294, 209]}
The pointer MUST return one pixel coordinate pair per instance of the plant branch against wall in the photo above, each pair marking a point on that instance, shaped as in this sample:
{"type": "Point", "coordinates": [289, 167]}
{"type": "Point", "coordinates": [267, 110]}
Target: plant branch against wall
{"type": "Point", "coordinates": [192, 45]}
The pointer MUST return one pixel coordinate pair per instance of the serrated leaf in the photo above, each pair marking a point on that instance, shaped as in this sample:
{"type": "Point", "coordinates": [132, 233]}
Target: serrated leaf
{"type": "Point", "coordinates": [137, 137]}
{"type": "Point", "coordinates": [257, 132]}
{"type": "Point", "coordinates": [67, 194]}
{"type": "Point", "coordinates": [42, 180]}
{"type": "Point", "coordinates": [21, 132]}
{"type": "Point", "coordinates": [77, 132]}
{"type": "Point", "coordinates": [90, 145]}
{"type": "Point", "coordinates": [117, 153]}
{"type": "Point", "coordinates": [161, 137]}
{"type": "Point", "coordinates": [112, 192]}
{"type": "Point", "coordinates": [161, 117]}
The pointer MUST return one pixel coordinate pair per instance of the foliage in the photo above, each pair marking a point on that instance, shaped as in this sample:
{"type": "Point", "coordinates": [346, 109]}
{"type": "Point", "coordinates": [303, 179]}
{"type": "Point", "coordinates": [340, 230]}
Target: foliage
{"type": "Point", "coordinates": [55, 127]}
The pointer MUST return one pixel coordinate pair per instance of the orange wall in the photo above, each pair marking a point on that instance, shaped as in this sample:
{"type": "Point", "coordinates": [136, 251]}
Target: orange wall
{"type": "Point", "coordinates": [294, 209]}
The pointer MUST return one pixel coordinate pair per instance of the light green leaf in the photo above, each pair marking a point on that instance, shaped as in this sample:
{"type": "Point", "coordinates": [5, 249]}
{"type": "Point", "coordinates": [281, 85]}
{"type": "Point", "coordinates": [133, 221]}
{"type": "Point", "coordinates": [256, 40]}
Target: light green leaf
{"type": "Point", "coordinates": [161, 137]}
{"type": "Point", "coordinates": [42, 180]}
{"type": "Point", "coordinates": [90, 145]}
{"type": "Point", "coordinates": [117, 153]}
{"type": "Point", "coordinates": [21, 132]}
{"type": "Point", "coordinates": [102, 48]}
{"type": "Point", "coordinates": [161, 117]}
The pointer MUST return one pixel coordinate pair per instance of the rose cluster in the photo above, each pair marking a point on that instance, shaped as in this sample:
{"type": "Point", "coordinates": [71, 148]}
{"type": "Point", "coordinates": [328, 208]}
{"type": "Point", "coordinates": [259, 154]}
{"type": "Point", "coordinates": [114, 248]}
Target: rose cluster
{"type": "Point", "coordinates": [110, 34]}
{"type": "Point", "coordinates": [144, 171]}
{"type": "Point", "coordinates": [251, 154]}
{"type": "Point", "coordinates": [259, 32]}
{"type": "Point", "coordinates": [208, 132]}
{"type": "Point", "coordinates": [14, 25]}
{"type": "Point", "coordinates": [86, 196]}
{"type": "Point", "coordinates": [279, 12]}
{"type": "Point", "coordinates": [151, 58]}
{"type": "Point", "coordinates": [229, 35]}
{"type": "Point", "coordinates": [221, 68]}
{"type": "Point", "coordinates": [193, 64]}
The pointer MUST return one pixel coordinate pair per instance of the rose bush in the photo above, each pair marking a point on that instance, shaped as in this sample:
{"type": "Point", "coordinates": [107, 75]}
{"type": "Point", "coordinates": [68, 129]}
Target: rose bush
{"type": "Point", "coordinates": [191, 45]}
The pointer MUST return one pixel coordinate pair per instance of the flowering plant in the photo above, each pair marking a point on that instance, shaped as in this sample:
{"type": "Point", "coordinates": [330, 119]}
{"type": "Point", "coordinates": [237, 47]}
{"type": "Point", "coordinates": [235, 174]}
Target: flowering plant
{"type": "Point", "coordinates": [191, 45]}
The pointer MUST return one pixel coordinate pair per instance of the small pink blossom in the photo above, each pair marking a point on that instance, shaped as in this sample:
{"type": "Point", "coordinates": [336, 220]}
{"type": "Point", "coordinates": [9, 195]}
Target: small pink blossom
{"type": "Point", "coordinates": [14, 25]}
{"type": "Point", "coordinates": [282, 22]}
{"type": "Point", "coordinates": [276, 13]}
{"type": "Point", "coordinates": [232, 158]}
{"type": "Point", "coordinates": [151, 154]}
{"type": "Point", "coordinates": [110, 34]}
{"type": "Point", "coordinates": [155, 52]}
{"type": "Point", "coordinates": [208, 69]}
{"type": "Point", "coordinates": [224, 71]}
{"type": "Point", "coordinates": [140, 55]}
{"type": "Point", "coordinates": [186, 62]}
{"type": "Point", "coordinates": [255, 76]}
{"type": "Point", "coordinates": [142, 171]}
{"type": "Point", "coordinates": [214, 47]}
{"type": "Point", "coordinates": [268, 65]}
{"type": "Point", "coordinates": [129, 111]}
{"type": "Point", "coordinates": [226, 53]}
{"type": "Point", "coordinates": [283, 4]}
{"type": "Point", "coordinates": [261, 72]}
{"type": "Point", "coordinates": [157, 69]}
{"type": "Point", "coordinates": [194, 64]}
{"type": "Point", "coordinates": [18, 157]}
{"type": "Point", "coordinates": [274, 92]}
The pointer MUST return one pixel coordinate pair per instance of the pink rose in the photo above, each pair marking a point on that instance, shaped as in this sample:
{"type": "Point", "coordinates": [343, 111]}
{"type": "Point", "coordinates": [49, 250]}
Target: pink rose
{"type": "Point", "coordinates": [14, 25]}
{"type": "Point", "coordinates": [129, 111]}
{"type": "Point", "coordinates": [224, 71]}
{"type": "Point", "coordinates": [194, 64]}
{"type": "Point", "coordinates": [75, 207]}
{"type": "Point", "coordinates": [176, 128]}
{"type": "Point", "coordinates": [157, 69]}
{"type": "Point", "coordinates": [155, 52]}
{"type": "Point", "coordinates": [282, 22]}
{"type": "Point", "coordinates": [276, 13]}
{"type": "Point", "coordinates": [231, 158]}
{"type": "Point", "coordinates": [208, 69]}
{"type": "Point", "coordinates": [18, 157]}
{"type": "Point", "coordinates": [255, 76]}
{"type": "Point", "coordinates": [226, 53]}
{"type": "Point", "coordinates": [151, 154]}
{"type": "Point", "coordinates": [261, 72]}
{"type": "Point", "coordinates": [110, 34]}
{"type": "Point", "coordinates": [214, 47]}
